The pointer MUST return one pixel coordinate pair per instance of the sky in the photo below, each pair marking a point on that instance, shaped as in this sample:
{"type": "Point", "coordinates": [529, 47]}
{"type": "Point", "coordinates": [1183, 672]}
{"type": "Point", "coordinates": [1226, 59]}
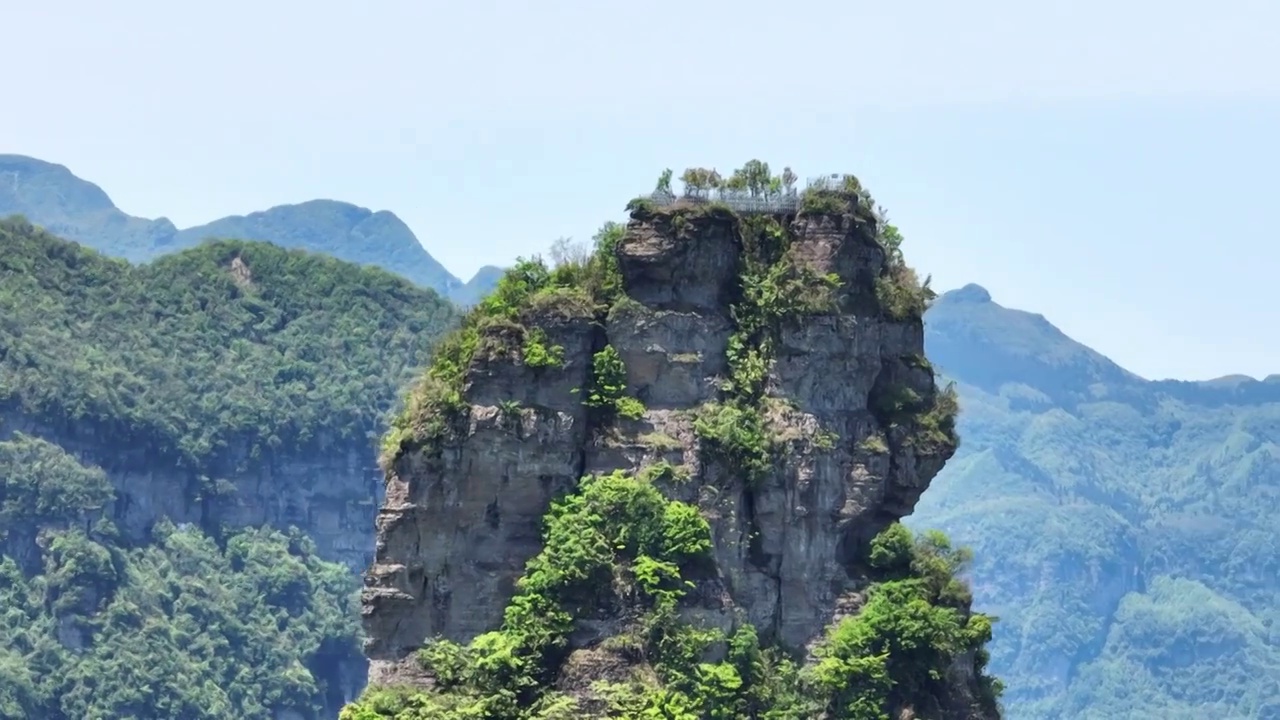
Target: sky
{"type": "Point", "coordinates": [1109, 165]}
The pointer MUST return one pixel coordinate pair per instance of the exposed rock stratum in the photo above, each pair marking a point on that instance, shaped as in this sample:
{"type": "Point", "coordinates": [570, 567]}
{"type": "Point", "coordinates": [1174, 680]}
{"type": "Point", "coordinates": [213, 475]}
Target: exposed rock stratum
{"type": "Point", "coordinates": [725, 324]}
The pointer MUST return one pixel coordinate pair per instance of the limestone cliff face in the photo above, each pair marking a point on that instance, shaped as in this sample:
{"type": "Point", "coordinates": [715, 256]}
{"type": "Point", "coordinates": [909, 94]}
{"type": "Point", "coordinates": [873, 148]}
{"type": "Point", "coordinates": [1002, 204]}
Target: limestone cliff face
{"type": "Point", "coordinates": [326, 495]}
{"type": "Point", "coordinates": [461, 518]}
{"type": "Point", "coordinates": [331, 494]}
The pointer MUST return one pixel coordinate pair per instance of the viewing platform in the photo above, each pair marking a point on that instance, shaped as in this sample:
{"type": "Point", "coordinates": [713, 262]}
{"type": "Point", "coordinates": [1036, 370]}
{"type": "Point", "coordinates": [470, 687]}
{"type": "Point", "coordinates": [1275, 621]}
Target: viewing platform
{"type": "Point", "coordinates": [746, 202]}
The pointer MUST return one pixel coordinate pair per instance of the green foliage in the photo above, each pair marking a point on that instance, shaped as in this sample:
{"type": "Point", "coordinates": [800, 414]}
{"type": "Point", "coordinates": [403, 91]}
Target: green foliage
{"type": "Point", "coordinates": [1126, 540]}
{"type": "Point", "coordinates": [609, 386]}
{"type": "Point", "coordinates": [177, 628]}
{"type": "Point", "coordinates": [773, 291]}
{"type": "Point", "coordinates": [899, 290]}
{"type": "Point", "coordinates": [665, 472]}
{"type": "Point", "coordinates": [664, 182]}
{"type": "Point", "coordinates": [613, 526]}
{"type": "Point", "coordinates": [936, 427]}
{"type": "Point", "coordinates": [893, 654]}
{"type": "Point", "coordinates": [737, 435]}
{"type": "Point", "coordinates": [41, 486]}
{"type": "Point", "coordinates": [754, 179]}
{"type": "Point", "coordinates": [901, 294]}
{"type": "Point", "coordinates": [931, 421]}
{"type": "Point", "coordinates": [204, 362]}
{"type": "Point", "coordinates": [641, 206]}
{"type": "Point", "coordinates": [1123, 530]}
{"type": "Point", "coordinates": [220, 353]}
{"type": "Point", "coordinates": [538, 352]}
{"type": "Point", "coordinates": [896, 651]}
{"type": "Point", "coordinates": [581, 284]}
{"type": "Point", "coordinates": [830, 196]}
{"type": "Point", "coordinates": [823, 202]}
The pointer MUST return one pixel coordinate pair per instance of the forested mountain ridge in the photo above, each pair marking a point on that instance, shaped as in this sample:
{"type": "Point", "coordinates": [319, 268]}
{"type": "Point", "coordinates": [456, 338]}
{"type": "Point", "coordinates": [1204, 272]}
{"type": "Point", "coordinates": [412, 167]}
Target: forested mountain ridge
{"type": "Point", "coordinates": [1124, 529]}
{"type": "Point", "coordinates": [187, 448]}
{"type": "Point", "coordinates": [51, 196]}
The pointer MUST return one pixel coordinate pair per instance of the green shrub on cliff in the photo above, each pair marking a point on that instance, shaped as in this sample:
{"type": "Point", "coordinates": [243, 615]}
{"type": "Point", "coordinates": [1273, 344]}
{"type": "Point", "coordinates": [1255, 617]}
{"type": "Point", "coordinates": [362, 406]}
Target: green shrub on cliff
{"type": "Point", "coordinates": [619, 544]}
{"type": "Point", "coordinates": [609, 386]}
{"type": "Point", "coordinates": [901, 293]}
{"type": "Point", "coordinates": [774, 290]}
{"type": "Point", "coordinates": [616, 534]}
{"type": "Point", "coordinates": [580, 285]}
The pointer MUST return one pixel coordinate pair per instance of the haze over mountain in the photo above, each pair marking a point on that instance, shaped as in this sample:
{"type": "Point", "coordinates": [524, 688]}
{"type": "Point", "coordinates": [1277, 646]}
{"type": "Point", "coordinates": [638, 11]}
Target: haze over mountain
{"type": "Point", "coordinates": [1123, 529]}
{"type": "Point", "coordinates": [52, 196]}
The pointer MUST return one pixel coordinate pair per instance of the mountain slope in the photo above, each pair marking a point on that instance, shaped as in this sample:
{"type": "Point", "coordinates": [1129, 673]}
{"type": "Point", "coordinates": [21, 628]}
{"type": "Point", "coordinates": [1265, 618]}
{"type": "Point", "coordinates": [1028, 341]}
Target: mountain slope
{"type": "Point", "coordinates": [186, 452]}
{"type": "Point", "coordinates": [480, 284]}
{"type": "Point", "coordinates": [51, 196]}
{"type": "Point", "coordinates": [1124, 530]}
{"type": "Point", "coordinates": [342, 230]}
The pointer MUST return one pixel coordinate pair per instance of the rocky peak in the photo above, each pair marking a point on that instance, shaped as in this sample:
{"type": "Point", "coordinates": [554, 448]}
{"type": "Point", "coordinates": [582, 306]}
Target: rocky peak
{"type": "Point", "coordinates": [763, 371]}
{"type": "Point", "coordinates": [971, 293]}
{"type": "Point", "coordinates": [66, 205]}
{"type": "Point", "coordinates": [988, 345]}
{"type": "Point", "coordinates": [28, 180]}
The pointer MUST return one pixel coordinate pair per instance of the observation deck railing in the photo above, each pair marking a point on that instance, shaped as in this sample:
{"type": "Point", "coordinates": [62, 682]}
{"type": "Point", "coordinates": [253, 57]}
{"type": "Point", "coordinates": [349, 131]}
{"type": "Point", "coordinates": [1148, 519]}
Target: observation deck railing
{"type": "Point", "coordinates": [740, 202]}
{"type": "Point", "coordinates": [787, 201]}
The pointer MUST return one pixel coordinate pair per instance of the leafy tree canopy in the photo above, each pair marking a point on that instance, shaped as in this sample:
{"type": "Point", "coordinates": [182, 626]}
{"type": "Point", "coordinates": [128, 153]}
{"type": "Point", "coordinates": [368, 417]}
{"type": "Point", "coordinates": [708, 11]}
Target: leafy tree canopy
{"type": "Point", "coordinates": [218, 353]}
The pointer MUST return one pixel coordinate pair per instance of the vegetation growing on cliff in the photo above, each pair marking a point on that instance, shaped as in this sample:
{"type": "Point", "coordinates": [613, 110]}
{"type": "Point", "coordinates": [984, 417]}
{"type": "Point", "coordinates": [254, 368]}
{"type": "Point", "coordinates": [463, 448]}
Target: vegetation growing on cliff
{"type": "Point", "coordinates": [210, 357]}
{"type": "Point", "coordinates": [897, 652]}
{"type": "Point", "coordinates": [753, 189]}
{"type": "Point", "coordinates": [193, 367]}
{"type": "Point", "coordinates": [182, 627]}
{"type": "Point", "coordinates": [579, 286]}
{"type": "Point", "coordinates": [774, 289]}
{"type": "Point", "coordinates": [617, 539]}
{"type": "Point", "coordinates": [586, 283]}
{"type": "Point", "coordinates": [608, 388]}
{"type": "Point", "coordinates": [619, 552]}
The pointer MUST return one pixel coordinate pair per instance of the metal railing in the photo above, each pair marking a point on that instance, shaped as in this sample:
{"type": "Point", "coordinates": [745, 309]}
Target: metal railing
{"type": "Point", "coordinates": [741, 201]}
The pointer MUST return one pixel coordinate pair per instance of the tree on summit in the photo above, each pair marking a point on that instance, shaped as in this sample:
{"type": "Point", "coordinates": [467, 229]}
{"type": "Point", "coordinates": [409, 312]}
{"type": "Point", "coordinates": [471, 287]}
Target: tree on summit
{"type": "Point", "coordinates": [664, 183]}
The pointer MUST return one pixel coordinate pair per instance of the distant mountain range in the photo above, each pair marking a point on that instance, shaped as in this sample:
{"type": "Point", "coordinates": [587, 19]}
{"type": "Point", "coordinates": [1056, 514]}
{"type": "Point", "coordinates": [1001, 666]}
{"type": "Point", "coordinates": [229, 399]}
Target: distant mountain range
{"type": "Point", "coordinates": [51, 196]}
{"type": "Point", "coordinates": [1124, 530]}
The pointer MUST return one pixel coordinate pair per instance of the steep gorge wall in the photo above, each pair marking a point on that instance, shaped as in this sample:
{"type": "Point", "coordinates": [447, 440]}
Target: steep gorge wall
{"type": "Point", "coordinates": [329, 490]}
{"type": "Point", "coordinates": [834, 385]}
{"type": "Point", "coordinates": [162, 429]}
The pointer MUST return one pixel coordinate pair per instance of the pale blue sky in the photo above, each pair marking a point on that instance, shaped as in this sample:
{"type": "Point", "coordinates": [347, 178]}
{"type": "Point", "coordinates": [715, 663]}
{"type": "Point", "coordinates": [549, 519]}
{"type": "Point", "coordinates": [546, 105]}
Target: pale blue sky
{"type": "Point", "coordinates": [1111, 165]}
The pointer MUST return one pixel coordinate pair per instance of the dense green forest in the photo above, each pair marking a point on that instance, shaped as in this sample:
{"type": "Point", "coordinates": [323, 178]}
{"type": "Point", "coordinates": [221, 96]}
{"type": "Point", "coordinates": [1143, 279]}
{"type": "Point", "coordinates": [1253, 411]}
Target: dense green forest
{"type": "Point", "coordinates": [1124, 530]}
{"type": "Point", "coordinates": [206, 363]}
{"type": "Point", "coordinates": [184, 626]}
{"type": "Point", "coordinates": [207, 357]}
